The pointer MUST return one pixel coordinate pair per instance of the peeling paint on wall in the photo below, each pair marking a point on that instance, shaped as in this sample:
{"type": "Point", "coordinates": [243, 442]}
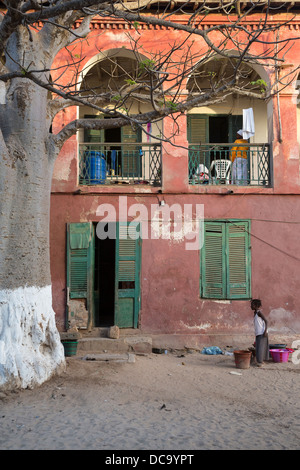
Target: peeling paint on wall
{"type": "Point", "coordinates": [78, 314]}
{"type": "Point", "coordinates": [200, 327]}
{"type": "Point", "coordinates": [280, 319]}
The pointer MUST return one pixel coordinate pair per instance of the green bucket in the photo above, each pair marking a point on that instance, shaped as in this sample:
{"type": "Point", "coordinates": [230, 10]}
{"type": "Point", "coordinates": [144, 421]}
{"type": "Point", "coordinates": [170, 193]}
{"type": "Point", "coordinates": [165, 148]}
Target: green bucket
{"type": "Point", "coordinates": [70, 347]}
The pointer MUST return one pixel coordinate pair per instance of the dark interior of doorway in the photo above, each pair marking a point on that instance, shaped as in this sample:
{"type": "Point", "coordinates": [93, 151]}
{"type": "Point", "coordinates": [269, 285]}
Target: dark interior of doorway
{"type": "Point", "coordinates": [113, 136]}
{"type": "Point", "coordinates": [104, 291]}
{"type": "Point", "coordinates": [218, 133]}
{"type": "Point", "coordinates": [218, 129]}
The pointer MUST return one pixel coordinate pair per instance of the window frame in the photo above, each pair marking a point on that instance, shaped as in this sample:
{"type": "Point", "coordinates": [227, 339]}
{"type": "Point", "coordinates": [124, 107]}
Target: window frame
{"type": "Point", "coordinates": [203, 120]}
{"type": "Point", "coordinates": [216, 259]}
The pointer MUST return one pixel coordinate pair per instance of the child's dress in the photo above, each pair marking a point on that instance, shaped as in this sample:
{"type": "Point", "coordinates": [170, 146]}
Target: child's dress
{"type": "Point", "coordinates": [261, 342]}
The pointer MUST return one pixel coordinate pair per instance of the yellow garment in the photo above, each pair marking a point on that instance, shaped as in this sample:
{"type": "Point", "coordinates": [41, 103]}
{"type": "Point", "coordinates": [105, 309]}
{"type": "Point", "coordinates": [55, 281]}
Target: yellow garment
{"type": "Point", "coordinates": [239, 152]}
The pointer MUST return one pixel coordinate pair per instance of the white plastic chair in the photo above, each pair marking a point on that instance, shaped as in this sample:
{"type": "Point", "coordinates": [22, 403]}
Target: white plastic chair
{"type": "Point", "coordinates": [222, 168]}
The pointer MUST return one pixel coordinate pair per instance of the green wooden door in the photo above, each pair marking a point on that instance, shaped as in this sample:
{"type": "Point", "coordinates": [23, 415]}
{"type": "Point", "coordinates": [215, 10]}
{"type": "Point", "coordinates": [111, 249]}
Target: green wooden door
{"type": "Point", "coordinates": [127, 279]}
{"type": "Point", "coordinates": [80, 270]}
{"type": "Point", "coordinates": [131, 155]}
{"type": "Point", "coordinates": [81, 273]}
{"type": "Point", "coordinates": [93, 136]}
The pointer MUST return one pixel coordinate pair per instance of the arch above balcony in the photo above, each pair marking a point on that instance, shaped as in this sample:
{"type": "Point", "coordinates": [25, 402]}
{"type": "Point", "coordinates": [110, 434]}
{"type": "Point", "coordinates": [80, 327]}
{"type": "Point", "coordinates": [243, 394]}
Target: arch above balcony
{"type": "Point", "coordinates": [250, 76]}
{"type": "Point", "coordinates": [111, 68]}
{"type": "Point", "coordinates": [115, 80]}
{"type": "Point", "coordinates": [252, 82]}
{"type": "Point", "coordinates": [212, 129]}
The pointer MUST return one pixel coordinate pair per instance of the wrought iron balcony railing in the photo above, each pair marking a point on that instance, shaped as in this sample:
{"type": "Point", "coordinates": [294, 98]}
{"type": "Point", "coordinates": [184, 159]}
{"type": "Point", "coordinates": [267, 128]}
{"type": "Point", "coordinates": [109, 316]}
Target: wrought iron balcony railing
{"type": "Point", "coordinates": [117, 163]}
{"type": "Point", "coordinates": [241, 164]}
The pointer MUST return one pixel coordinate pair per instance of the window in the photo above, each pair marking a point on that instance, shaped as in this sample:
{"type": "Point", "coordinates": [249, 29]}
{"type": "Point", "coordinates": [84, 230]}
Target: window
{"type": "Point", "coordinates": [225, 260]}
{"type": "Point", "coordinates": [209, 154]}
{"type": "Point", "coordinates": [203, 128]}
{"type": "Point", "coordinates": [113, 156]}
{"type": "Point", "coordinates": [116, 146]}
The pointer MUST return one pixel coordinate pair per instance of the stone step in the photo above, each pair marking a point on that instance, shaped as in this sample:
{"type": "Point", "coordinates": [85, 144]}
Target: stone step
{"type": "Point", "coordinates": [109, 357]}
{"type": "Point", "coordinates": [123, 344]}
{"type": "Point", "coordinates": [103, 332]}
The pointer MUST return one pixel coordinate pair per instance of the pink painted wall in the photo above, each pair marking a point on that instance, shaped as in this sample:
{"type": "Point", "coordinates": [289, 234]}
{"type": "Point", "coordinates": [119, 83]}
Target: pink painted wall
{"type": "Point", "coordinates": [170, 301]}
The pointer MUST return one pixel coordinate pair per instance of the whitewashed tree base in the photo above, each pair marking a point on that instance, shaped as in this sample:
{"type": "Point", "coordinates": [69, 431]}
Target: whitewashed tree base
{"type": "Point", "coordinates": [30, 347]}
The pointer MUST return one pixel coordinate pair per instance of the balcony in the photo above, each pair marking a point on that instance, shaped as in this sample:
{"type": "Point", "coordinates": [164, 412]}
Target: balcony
{"type": "Point", "coordinates": [120, 163]}
{"type": "Point", "coordinates": [211, 164]}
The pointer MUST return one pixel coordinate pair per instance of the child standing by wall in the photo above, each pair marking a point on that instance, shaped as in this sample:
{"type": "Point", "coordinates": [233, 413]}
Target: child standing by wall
{"type": "Point", "coordinates": [261, 333]}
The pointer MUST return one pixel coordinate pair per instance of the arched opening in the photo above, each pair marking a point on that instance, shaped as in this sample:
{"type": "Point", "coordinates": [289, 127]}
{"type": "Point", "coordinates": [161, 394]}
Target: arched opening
{"type": "Point", "coordinates": [118, 80]}
{"type": "Point", "coordinates": [212, 130]}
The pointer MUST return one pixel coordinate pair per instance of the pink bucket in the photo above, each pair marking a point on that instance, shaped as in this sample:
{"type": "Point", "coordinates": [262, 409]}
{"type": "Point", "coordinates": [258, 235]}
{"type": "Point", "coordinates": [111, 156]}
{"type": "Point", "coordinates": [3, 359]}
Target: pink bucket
{"type": "Point", "coordinates": [280, 355]}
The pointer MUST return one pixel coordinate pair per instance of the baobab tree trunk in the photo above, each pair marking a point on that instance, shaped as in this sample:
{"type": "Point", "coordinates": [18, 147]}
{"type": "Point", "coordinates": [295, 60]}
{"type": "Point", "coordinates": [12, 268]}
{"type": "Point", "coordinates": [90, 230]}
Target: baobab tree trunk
{"type": "Point", "coordinates": [30, 347]}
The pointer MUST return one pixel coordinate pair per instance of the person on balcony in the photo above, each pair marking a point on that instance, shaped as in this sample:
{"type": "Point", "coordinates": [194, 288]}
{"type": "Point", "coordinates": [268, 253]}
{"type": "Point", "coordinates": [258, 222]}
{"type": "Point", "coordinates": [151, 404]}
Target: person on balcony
{"type": "Point", "coordinates": [238, 157]}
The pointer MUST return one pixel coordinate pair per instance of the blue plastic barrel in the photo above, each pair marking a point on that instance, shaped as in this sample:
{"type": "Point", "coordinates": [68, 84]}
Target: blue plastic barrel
{"type": "Point", "coordinates": [97, 168]}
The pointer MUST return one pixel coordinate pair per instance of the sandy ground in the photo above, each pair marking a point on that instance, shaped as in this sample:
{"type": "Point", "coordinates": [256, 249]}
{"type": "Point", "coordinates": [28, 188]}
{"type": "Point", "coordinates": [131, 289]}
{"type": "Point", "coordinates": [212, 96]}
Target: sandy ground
{"type": "Point", "coordinates": [159, 402]}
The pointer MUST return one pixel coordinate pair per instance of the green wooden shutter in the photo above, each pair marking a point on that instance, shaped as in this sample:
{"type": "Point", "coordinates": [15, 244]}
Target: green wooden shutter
{"type": "Point", "coordinates": [198, 135]}
{"type": "Point", "coordinates": [131, 157]}
{"type": "Point", "coordinates": [93, 135]}
{"type": "Point", "coordinates": [213, 272]}
{"type": "Point", "coordinates": [197, 129]}
{"type": "Point", "coordinates": [129, 135]}
{"type": "Point", "coordinates": [78, 273]}
{"type": "Point", "coordinates": [238, 260]}
{"type": "Point", "coordinates": [128, 258]}
{"type": "Point", "coordinates": [226, 260]}
{"type": "Point", "coordinates": [80, 264]}
{"type": "Point", "coordinates": [78, 255]}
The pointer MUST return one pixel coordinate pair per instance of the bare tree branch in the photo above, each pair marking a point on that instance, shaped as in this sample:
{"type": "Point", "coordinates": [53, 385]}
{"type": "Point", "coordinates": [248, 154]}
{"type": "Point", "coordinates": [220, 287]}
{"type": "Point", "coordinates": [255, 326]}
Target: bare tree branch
{"type": "Point", "coordinates": [158, 80]}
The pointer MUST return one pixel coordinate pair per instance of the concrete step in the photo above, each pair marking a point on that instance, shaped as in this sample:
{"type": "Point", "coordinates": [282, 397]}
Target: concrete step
{"type": "Point", "coordinates": [103, 332]}
{"type": "Point", "coordinates": [123, 344]}
{"type": "Point", "coordinates": [109, 357]}
{"type": "Point", "coordinates": [94, 333]}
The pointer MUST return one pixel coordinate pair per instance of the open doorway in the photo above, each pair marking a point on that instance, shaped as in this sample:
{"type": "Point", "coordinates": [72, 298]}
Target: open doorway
{"type": "Point", "coordinates": [218, 129]}
{"type": "Point", "coordinates": [113, 135]}
{"type": "Point", "coordinates": [104, 282]}
{"type": "Point", "coordinates": [222, 130]}
{"type": "Point", "coordinates": [103, 273]}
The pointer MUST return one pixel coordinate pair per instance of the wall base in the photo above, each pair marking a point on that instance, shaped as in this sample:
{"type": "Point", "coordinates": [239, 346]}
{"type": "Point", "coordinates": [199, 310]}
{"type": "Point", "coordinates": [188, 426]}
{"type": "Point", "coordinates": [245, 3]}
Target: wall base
{"type": "Point", "coordinates": [182, 341]}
